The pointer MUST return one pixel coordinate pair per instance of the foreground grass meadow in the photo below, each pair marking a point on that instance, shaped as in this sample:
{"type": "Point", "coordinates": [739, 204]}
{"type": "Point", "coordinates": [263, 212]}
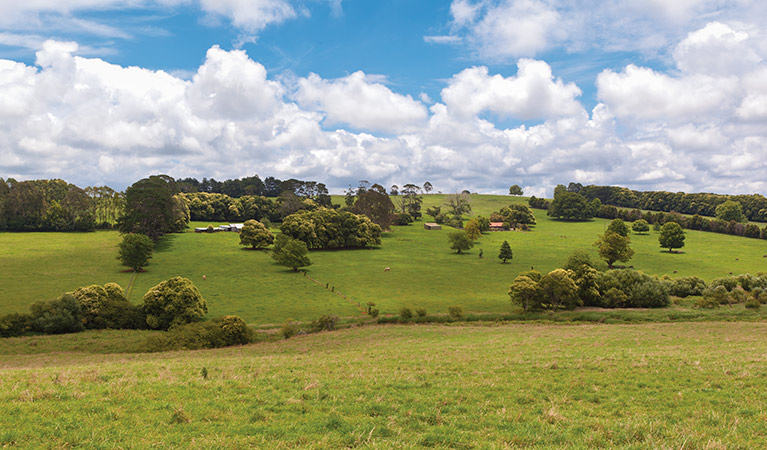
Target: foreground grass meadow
{"type": "Point", "coordinates": [661, 386]}
{"type": "Point", "coordinates": [424, 272]}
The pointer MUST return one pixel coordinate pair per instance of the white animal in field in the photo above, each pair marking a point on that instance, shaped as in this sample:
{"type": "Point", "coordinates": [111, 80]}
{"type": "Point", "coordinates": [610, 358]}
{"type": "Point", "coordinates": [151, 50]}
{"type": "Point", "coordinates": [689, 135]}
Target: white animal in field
{"type": "Point", "coordinates": [387, 269]}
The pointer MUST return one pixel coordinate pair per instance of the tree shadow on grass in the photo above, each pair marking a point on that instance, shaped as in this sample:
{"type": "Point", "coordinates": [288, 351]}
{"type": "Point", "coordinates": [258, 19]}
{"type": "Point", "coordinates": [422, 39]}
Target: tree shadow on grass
{"type": "Point", "coordinates": [165, 243]}
{"type": "Point", "coordinates": [673, 252]}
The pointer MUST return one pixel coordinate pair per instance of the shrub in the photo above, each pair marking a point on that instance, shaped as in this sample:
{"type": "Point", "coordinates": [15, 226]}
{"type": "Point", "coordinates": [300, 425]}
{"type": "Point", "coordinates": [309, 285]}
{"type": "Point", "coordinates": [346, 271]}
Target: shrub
{"type": "Point", "coordinates": [559, 290]}
{"type": "Point", "coordinates": [728, 283]}
{"type": "Point", "coordinates": [173, 302]}
{"type": "Point", "coordinates": [685, 286]}
{"type": "Point", "coordinates": [420, 312]}
{"type": "Point", "coordinates": [235, 331]}
{"type": "Point", "coordinates": [222, 332]}
{"type": "Point", "coordinates": [290, 328]}
{"type": "Point", "coordinates": [210, 229]}
{"type": "Point", "coordinates": [455, 222]}
{"type": "Point", "coordinates": [62, 315]}
{"type": "Point", "coordinates": [15, 324]}
{"type": "Point", "coordinates": [325, 322]}
{"type": "Point", "coordinates": [753, 304]}
{"type": "Point", "coordinates": [107, 307]}
{"type": "Point", "coordinates": [716, 294]}
{"type": "Point", "coordinates": [738, 295]}
{"type": "Point", "coordinates": [615, 298]}
{"type": "Point", "coordinates": [405, 313]}
{"type": "Point", "coordinates": [643, 291]}
{"type": "Point", "coordinates": [707, 302]}
{"type": "Point", "coordinates": [402, 219]}
{"type": "Point", "coordinates": [373, 312]}
{"type": "Point", "coordinates": [455, 312]}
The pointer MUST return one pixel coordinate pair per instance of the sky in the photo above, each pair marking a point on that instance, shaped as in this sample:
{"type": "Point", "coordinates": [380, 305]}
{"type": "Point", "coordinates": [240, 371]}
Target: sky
{"type": "Point", "coordinates": [465, 94]}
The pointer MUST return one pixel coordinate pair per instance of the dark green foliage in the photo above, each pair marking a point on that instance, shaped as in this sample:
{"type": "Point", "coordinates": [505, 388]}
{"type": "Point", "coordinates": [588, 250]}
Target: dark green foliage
{"type": "Point", "coordinates": [325, 322]}
{"type": "Point", "coordinates": [14, 324]}
{"type": "Point", "coordinates": [516, 214]}
{"type": "Point", "coordinates": [642, 291]}
{"type": "Point", "coordinates": [290, 328]}
{"type": "Point", "coordinates": [753, 304]}
{"type": "Point", "coordinates": [578, 258]}
{"type": "Point", "coordinates": [618, 226]}
{"type": "Point", "coordinates": [730, 210]}
{"type": "Point", "coordinates": [538, 203]}
{"type": "Point", "coordinates": [685, 286]}
{"type": "Point", "coordinates": [256, 235]}
{"type": "Point", "coordinates": [173, 302]}
{"type": "Point", "coordinates": [559, 290]}
{"type": "Point", "coordinates": [290, 253]}
{"type": "Point", "coordinates": [328, 228]}
{"type": "Point", "coordinates": [420, 312]}
{"type": "Point", "coordinates": [484, 223]}
{"type": "Point", "coordinates": [409, 200]}
{"type": "Point", "coordinates": [505, 253]}
{"type": "Point", "coordinates": [671, 236]}
{"type": "Point", "coordinates": [515, 190]}
{"type": "Point", "coordinates": [570, 206]}
{"type": "Point", "coordinates": [402, 219]}
{"type": "Point", "coordinates": [62, 315]}
{"type": "Point", "coordinates": [459, 241]}
{"type": "Point", "coordinates": [376, 205]}
{"type": "Point", "coordinates": [154, 207]}
{"type": "Point", "coordinates": [613, 247]}
{"type": "Point", "coordinates": [405, 313]}
{"type": "Point", "coordinates": [455, 222]}
{"type": "Point", "coordinates": [526, 293]}
{"type": "Point", "coordinates": [640, 226]}
{"type": "Point", "coordinates": [221, 207]}
{"type": "Point", "coordinates": [135, 250]}
{"type": "Point", "coordinates": [455, 312]}
{"type": "Point", "coordinates": [107, 307]}
{"type": "Point", "coordinates": [433, 211]}
{"type": "Point", "coordinates": [222, 332]}
{"type": "Point", "coordinates": [45, 205]}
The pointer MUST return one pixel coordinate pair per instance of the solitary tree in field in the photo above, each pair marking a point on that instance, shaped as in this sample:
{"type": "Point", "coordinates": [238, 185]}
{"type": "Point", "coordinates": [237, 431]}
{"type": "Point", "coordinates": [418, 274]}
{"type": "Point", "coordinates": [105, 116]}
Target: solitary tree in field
{"type": "Point", "coordinates": [515, 190]}
{"type": "Point", "coordinates": [472, 229]}
{"type": "Point", "coordinates": [641, 226]}
{"type": "Point", "coordinates": [671, 236]}
{"type": "Point", "coordinates": [614, 247]}
{"type": "Point", "coordinates": [459, 241]}
{"type": "Point", "coordinates": [290, 252]}
{"type": "Point", "coordinates": [135, 250]}
{"type": "Point", "coordinates": [458, 204]}
{"type": "Point", "coordinates": [173, 302]}
{"type": "Point", "coordinates": [506, 253]}
{"type": "Point", "coordinates": [256, 235]}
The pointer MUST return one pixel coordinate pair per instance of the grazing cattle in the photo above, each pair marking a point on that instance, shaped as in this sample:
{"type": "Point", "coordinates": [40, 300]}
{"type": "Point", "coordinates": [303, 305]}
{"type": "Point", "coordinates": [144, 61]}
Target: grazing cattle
{"type": "Point", "coordinates": [387, 269]}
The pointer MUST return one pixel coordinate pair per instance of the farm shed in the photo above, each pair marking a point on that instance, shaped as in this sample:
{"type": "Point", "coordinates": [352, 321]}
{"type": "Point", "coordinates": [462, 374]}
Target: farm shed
{"type": "Point", "coordinates": [496, 226]}
{"type": "Point", "coordinates": [431, 226]}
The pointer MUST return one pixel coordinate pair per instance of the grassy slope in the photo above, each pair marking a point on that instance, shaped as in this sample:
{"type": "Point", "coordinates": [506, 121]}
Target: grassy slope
{"type": "Point", "coordinates": [40, 266]}
{"type": "Point", "coordinates": [666, 386]}
{"type": "Point", "coordinates": [424, 273]}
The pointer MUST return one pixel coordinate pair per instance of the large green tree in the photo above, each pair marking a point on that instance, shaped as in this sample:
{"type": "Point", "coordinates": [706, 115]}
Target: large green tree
{"type": "Point", "coordinates": [614, 247]}
{"type": "Point", "coordinates": [515, 190]}
{"type": "Point", "coordinates": [173, 302]}
{"type": "Point", "coordinates": [459, 241]}
{"type": "Point", "coordinates": [526, 293]}
{"type": "Point", "coordinates": [559, 290]}
{"type": "Point", "coordinates": [329, 228]}
{"type": "Point", "coordinates": [671, 236]}
{"type": "Point", "coordinates": [290, 252]}
{"type": "Point", "coordinates": [618, 226]}
{"type": "Point", "coordinates": [570, 206]}
{"type": "Point", "coordinates": [730, 210]}
{"type": "Point", "coordinates": [256, 235]}
{"type": "Point", "coordinates": [154, 207]}
{"type": "Point", "coordinates": [135, 250]}
{"type": "Point", "coordinates": [375, 204]}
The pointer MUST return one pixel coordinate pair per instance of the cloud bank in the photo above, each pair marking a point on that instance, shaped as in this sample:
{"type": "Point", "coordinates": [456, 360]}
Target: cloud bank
{"type": "Point", "coordinates": [699, 127]}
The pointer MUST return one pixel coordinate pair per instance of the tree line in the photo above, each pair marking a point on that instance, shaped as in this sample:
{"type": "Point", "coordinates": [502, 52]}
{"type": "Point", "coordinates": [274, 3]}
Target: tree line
{"type": "Point", "coordinates": [705, 204]}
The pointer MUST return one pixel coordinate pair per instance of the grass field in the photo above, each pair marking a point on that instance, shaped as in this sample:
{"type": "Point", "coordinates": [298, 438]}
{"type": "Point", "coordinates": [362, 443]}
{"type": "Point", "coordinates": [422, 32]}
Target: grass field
{"type": "Point", "coordinates": [424, 272]}
{"type": "Point", "coordinates": [660, 386]}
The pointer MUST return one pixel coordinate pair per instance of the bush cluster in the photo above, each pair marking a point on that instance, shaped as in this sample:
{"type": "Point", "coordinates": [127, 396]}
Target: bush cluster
{"type": "Point", "coordinates": [222, 332]}
{"type": "Point", "coordinates": [748, 289]}
{"type": "Point", "coordinates": [684, 286]}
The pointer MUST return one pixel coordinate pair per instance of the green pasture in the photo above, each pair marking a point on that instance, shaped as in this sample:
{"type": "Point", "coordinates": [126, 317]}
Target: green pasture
{"type": "Point", "coordinates": [659, 386]}
{"type": "Point", "coordinates": [423, 270]}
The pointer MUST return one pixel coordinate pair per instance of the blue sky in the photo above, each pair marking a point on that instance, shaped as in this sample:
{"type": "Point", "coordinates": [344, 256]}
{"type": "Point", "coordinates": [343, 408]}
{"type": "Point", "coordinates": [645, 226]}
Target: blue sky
{"type": "Point", "coordinates": [468, 94]}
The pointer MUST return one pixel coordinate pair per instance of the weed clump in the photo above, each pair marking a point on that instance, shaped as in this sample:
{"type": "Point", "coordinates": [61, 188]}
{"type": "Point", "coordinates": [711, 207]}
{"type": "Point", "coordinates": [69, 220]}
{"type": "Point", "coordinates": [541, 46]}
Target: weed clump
{"type": "Point", "coordinates": [405, 313]}
{"type": "Point", "coordinates": [455, 312]}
